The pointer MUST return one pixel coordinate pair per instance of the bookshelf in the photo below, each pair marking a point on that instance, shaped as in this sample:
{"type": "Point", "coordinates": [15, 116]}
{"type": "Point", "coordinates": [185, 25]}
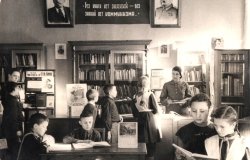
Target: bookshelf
{"type": "Point", "coordinates": [195, 70]}
{"type": "Point", "coordinates": [97, 63]}
{"type": "Point", "coordinates": [24, 56]}
{"type": "Point", "coordinates": [232, 81]}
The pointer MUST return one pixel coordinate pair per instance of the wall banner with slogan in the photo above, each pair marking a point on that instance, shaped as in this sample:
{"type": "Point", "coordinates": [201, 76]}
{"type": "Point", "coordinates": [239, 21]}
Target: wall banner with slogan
{"type": "Point", "coordinates": [112, 12]}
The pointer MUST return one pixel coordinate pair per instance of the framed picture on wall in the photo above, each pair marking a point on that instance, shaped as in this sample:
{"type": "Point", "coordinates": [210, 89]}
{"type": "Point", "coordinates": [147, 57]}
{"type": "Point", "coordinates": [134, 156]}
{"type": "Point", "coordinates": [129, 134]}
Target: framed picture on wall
{"type": "Point", "coordinates": [59, 13]}
{"type": "Point", "coordinates": [165, 13]}
{"type": "Point", "coordinates": [164, 50]}
{"type": "Point", "coordinates": [60, 51]}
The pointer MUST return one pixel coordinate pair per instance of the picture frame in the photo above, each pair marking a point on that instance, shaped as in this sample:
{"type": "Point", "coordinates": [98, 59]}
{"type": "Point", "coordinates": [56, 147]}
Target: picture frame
{"type": "Point", "coordinates": [60, 51]}
{"type": "Point", "coordinates": [165, 13]}
{"type": "Point", "coordinates": [164, 50]}
{"type": "Point", "coordinates": [55, 17]}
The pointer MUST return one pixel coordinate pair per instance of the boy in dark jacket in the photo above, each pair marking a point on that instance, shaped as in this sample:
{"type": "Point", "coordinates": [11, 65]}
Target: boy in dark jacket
{"type": "Point", "coordinates": [35, 142]}
{"type": "Point", "coordinates": [84, 133]}
{"type": "Point", "coordinates": [12, 118]}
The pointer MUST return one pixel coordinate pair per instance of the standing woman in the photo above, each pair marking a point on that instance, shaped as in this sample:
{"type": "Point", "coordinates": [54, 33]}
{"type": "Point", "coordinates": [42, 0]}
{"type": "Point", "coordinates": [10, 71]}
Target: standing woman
{"type": "Point", "coordinates": [144, 109]}
{"type": "Point", "coordinates": [175, 91]}
{"type": "Point", "coordinates": [12, 118]}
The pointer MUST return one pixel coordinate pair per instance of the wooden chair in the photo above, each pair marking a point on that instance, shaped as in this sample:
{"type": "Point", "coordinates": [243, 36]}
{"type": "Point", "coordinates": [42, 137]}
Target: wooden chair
{"type": "Point", "coordinates": [102, 132]}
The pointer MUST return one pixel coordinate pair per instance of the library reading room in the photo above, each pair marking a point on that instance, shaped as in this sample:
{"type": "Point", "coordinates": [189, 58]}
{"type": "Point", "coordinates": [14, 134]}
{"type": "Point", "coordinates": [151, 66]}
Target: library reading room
{"type": "Point", "coordinates": [125, 79]}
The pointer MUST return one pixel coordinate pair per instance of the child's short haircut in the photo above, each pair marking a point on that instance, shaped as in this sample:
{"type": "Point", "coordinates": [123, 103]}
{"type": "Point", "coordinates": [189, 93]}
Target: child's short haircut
{"type": "Point", "coordinates": [10, 86]}
{"type": "Point", "coordinates": [201, 97]}
{"type": "Point", "coordinates": [226, 112]}
{"type": "Point", "coordinates": [107, 88]}
{"type": "Point", "coordinates": [91, 94]}
{"type": "Point", "coordinates": [86, 113]}
{"type": "Point", "coordinates": [37, 118]}
{"type": "Point", "coordinates": [142, 81]}
{"type": "Point", "coordinates": [12, 70]}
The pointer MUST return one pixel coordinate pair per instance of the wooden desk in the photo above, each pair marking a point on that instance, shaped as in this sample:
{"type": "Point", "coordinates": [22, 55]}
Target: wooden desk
{"type": "Point", "coordinates": [105, 153]}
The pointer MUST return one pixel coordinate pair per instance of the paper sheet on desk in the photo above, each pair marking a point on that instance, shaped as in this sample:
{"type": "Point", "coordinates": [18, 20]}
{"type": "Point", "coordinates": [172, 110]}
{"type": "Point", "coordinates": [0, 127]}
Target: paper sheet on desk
{"type": "Point", "coordinates": [60, 147]}
{"type": "Point", "coordinates": [90, 145]}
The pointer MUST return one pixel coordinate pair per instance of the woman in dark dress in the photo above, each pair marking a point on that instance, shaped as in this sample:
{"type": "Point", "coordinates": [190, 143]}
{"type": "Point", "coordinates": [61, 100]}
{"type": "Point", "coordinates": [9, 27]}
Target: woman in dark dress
{"type": "Point", "coordinates": [144, 109]}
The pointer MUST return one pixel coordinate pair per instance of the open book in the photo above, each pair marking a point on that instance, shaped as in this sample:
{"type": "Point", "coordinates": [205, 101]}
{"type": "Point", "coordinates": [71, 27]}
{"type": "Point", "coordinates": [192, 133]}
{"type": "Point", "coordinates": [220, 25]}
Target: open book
{"type": "Point", "coordinates": [91, 144]}
{"type": "Point", "coordinates": [193, 155]}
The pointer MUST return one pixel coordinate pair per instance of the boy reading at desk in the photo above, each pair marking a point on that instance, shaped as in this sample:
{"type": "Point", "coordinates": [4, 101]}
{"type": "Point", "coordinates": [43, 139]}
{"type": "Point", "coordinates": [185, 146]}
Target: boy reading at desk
{"type": "Point", "coordinates": [192, 136]}
{"type": "Point", "coordinates": [35, 142]}
{"type": "Point", "coordinates": [84, 133]}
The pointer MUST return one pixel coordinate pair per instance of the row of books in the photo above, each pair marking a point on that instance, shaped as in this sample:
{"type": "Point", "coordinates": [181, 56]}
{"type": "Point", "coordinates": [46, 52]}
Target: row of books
{"type": "Point", "coordinates": [232, 86]}
{"type": "Point", "coordinates": [232, 67]}
{"type": "Point", "coordinates": [124, 91]}
{"type": "Point", "coordinates": [126, 58]}
{"type": "Point", "coordinates": [95, 58]}
{"type": "Point", "coordinates": [92, 75]}
{"type": "Point", "coordinates": [3, 61]}
{"type": "Point", "coordinates": [125, 74]}
{"type": "Point", "coordinates": [124, 108]}
{"type": "Point", "coordinates": [25, 60]}
{"type": "Point", "coordinates": [232, 57]}
{"type": "Point", "coordinates": [193, 75]}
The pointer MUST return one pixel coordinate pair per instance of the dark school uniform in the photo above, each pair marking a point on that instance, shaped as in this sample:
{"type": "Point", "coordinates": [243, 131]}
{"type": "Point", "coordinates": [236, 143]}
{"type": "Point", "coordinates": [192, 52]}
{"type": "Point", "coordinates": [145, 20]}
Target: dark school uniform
{"type": "Point", "coordinates": [109, 115]}
{"type": "Point", "coordinates": [81, 134]}
{"type": "Point", "coordinates": [31, 147]}
{"type": "Point", "coordinates": [193, 137]}
{"type": "Point", "coordinates": [11, 123]}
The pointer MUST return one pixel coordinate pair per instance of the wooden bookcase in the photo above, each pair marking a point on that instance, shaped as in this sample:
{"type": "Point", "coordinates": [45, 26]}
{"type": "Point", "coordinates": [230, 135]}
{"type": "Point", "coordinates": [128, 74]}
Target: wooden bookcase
{"type": "Point", "coordinates": [195, 70]}
{"type": "Point", "coordinates": [232, 79]}
{"type": "Point", "coordinates": [97, 63]}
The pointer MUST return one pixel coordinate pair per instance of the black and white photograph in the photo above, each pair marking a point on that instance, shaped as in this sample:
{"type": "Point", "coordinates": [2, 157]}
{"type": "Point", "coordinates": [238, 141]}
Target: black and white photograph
{"type": "Point", "coordinates": [60, 51]}
{"type": "Point", "coordinates": [165, 13]}
{"type": "Point", "coordinates": [124, 79]}
{"type": "Point", "coordinates": [59, 13]}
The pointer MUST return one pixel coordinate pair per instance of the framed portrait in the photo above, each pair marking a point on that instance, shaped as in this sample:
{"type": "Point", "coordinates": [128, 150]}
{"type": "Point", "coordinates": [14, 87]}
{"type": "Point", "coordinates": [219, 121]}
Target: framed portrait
{"type": "Point", "coordinates": [60, 51]}
{"type": "Point", "coordinates": [217, 43]}
{"type": "Point", "coordinates": [164, 50]}
{"type": "Point", "coordinates": [165, 13]}
{"type": "Point", "coordinates": [59, 13]}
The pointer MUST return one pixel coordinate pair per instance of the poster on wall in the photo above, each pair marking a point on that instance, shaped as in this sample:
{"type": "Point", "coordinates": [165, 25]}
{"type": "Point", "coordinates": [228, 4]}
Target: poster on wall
{"type": "Point", "coordinates": [76, 98]}
{"type": "Point", "coordinates": [112, 12]}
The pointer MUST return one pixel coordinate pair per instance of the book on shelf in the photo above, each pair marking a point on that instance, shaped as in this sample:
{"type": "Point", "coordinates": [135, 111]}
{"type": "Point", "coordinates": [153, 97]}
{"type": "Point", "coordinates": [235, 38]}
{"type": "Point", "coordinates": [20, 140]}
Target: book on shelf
{"type": "Point", "coordinates": [193, 155]}
{"type": "Point", "coordinates": [127, 135]}
{"type": "Point", "coordinates": [232, 86]}
{"type": "Point", "coordinates": [232, 57]}
{"type": "Point", "coordinates": [126, 58]}
{"type": "Point", "coordinates": [92, 58]}
{"type": "Point", "coordinates": [41, 100]}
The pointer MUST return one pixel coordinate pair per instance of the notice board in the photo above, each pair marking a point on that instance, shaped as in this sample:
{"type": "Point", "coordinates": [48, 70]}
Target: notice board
{"type": "Point", "coordinates": [112, 12]}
